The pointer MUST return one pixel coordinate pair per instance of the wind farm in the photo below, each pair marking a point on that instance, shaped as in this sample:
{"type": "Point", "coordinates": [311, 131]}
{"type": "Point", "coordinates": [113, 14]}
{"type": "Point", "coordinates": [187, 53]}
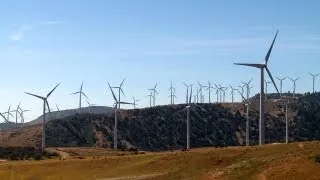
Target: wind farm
{"type": "Point", "coordinates": [158, 90]}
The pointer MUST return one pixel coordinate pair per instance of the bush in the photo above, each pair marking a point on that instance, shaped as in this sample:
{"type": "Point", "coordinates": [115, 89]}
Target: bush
{"type": "Point", "coordinates": [317, 158]}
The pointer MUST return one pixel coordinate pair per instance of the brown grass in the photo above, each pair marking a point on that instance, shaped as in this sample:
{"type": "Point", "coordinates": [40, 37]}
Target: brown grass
{"type": "Point", "coordinates": [274, 161]}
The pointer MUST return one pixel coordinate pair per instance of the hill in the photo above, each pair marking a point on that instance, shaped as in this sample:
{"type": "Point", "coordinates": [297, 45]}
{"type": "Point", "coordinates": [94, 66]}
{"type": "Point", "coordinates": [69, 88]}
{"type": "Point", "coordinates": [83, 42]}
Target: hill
{"type": "Point", "coordinates": [164, 127]}
{"type": "Point", "coordinates": [57, 115]}
{"type": "Point", "coordinates": [273, 161]}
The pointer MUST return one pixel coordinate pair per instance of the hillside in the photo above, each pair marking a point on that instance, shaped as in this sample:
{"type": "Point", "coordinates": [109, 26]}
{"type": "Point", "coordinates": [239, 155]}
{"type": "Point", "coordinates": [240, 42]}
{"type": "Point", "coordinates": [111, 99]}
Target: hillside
{"type": "Point", "coordinates": [164, 127]}
{"type": "Point", "coordinates": [273, 161]}
{"type": "Point", "coordinates": [57, 115]}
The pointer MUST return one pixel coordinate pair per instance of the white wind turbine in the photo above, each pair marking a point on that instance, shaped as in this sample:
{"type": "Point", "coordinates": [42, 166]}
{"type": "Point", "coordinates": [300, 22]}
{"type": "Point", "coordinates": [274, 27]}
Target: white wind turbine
{"type": "Point", "coordinates": [45, 104]}
{"type": "Point", "coordinates": [80, 92]}
{"type": "Point", "coordinates": [120, 90]}
{"type": "Point", "coordinates": [115, 131]}
{"type": "Point", "coordinates": [209, 90]}
{"type": "Point", "coordinates": [262, 67]}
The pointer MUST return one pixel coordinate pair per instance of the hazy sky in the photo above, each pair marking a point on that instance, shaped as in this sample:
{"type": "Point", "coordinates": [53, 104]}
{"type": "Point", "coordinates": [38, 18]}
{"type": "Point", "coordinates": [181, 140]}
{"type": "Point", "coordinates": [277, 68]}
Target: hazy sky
{"type": "Point", "coordinates": [46, 42]}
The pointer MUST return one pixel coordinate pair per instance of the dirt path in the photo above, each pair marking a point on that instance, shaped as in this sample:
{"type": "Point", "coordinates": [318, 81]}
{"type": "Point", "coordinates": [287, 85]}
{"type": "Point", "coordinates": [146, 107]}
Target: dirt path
{"type": "Point", "coordinates": [61, 153]}
{"type": "Point", "coordinates": [142, 177]}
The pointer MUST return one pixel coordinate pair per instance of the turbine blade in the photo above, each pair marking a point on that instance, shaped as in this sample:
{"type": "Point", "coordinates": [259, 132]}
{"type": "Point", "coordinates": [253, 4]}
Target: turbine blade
{"type": "Point", "coordinates": [185, 84]}
{"type": "Point", "coordinates": [122, 82]}
{"type": "Point", "coordinates": [270, 49]}
{"type": "Point", "coordinates": [35, 95]}
{"type": "Point", "coordinates": [3, 117]}
{"type": "Point", "coordinates": [122, 92]}
{"type": "Point", "coordinates": [125, 103]}
{"type": "Point", "coordinates": [114, 97]}
{"type": "Point", "coordinates": [81, 86]}
{"type": "Point", "coordinates": [155, 86]}
{"type": "Point", "coordinates": [250, 64]}
{"type": "Point", "coordinates": [75, 93]}
{"type": "Point", "coordinates": [57, 107]}
{"type": "Point", "coordinates": [52, 90]}
{"type": "Point", "coordinates": [272, 80]}
{"type": "Point", "coordinates": [48, 106]}
{"type": "Point", "coordinates": [84, 95]}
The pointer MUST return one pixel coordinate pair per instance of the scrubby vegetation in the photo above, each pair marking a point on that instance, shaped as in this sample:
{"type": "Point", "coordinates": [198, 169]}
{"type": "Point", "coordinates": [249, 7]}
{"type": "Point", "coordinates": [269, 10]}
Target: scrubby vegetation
{"type": "Point", "coordinates": [24, 153]}
{"type": "Point", "coordinates": [162, 128]}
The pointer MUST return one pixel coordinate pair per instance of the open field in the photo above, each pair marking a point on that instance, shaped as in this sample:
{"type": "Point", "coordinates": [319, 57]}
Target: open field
{"type": "Point", "coordinates": [274, 161]}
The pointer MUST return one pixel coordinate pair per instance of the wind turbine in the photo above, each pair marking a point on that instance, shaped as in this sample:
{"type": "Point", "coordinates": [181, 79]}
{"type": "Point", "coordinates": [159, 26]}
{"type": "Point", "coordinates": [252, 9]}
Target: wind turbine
{"type": "Point", "coordinates": [80, 96]}
{"type": "Point", "coordinates": [267, 82]}
{"type": "Point", "coordinates": [224, 93]}
{"type": "Point", "coordinates": [9, 114]}
{"type": "Point", "coordinates": [171, 89]}
{"type": "Point", "coordinates": [262, 67]}
{"type": "Point", "coordinates": [242, 90]}
{"type": "Point", "coordinates": [232, 93]}
{"type": "Point", "coordinates": [153, 93]}
{"type": "Point", "coordinates": [247, 85]}
{"type": "Point", "coordinates": [115, 136]}
{"type": "Point", "coordinates": [134, 102]}
{"type": "Point", "coordinates": [281, 80]}
{"type": "Point", "coordinates": [45, 104]}
{"type": "Point", "coordinates": [219, 91]}
{"type": "Point", "coordinates": [294, 86]}
{"type": "Point", "coordinates": [201, 92]}
{"type": "Point", "coordinates": [120, 90]}
{"type": "Point", "coordinates": [187, 108]}
{"type": "Point", "coordinates": [187, 92]}
{"type": "Point", "coordinates": [313, 80]}
{"type": "Point", "coordinates": [17, 111]}
{"type": "Point", "coordinates": [21, 114]}
{"type": "Point", "coordinates": [209, 89]}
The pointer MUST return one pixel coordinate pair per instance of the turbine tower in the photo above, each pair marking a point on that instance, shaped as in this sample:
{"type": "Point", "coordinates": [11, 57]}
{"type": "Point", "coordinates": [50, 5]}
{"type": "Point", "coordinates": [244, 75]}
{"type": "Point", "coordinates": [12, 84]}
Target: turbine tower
{"type": "Point", "coordinates": [120, 91]}
{"type": "Point", "coordinates": [172, 89]}
{"type": "Point", "coordinates": [45, 104]}
{"type": "Point", "coordinates": [17, 112]}
{"type": "Point", "coordinates": [313, 80]}
{"type": "Point", "coordinates": [281, 80]}
{"type": "Point", "coordinates": [115, 131]}
{"type": "Point", "coordinates": [135, 102]}
{"type": "Point", "coordinates": [21, 114]}
{"type": "Point", "coordinates": [150, 98]}
{"type": "Point", "coordinates": [294, 87]}
{"type": "Point", "coordinates": [209, 89]}
{"type": "Point", "coordinates": [80, 92]}
{"type": "Point", "coordinates": [267, 82]}
{"type": "Point", "coordinates": [262, 67]}
{"type": "Point", "coordinates": [223, 89]}
{"type": "Point", "coordinates": [247, 119]}
{"type": "Point", "coordinates": [232, 93]}
{"type": "Point", "coordinates": [187, 86]}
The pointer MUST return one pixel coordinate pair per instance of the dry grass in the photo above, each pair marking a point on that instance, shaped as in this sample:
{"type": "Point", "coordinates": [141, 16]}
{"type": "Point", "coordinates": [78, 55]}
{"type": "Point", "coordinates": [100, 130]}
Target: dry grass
{"type": "Point", "coordinates": [274, 161]}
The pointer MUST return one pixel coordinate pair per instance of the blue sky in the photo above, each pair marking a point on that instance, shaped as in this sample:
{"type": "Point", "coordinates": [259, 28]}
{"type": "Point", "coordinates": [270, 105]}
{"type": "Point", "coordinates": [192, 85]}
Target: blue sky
{"type": "Point", "coordinates": [46, 42]}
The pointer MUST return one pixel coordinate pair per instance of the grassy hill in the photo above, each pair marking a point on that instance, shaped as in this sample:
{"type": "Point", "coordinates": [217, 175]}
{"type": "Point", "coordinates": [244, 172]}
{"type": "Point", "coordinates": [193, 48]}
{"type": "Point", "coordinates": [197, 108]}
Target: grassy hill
{"type": "Point", "coordinates": [273, 161]}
